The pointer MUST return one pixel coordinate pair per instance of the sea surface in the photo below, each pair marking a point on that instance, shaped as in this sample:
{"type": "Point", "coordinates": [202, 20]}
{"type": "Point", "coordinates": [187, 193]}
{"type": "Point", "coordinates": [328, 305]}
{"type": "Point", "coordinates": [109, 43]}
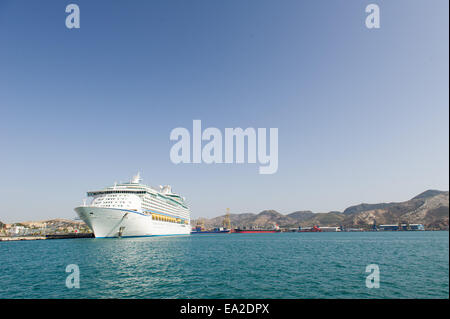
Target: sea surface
{"type": "Point", "coordinates": [281, 265]}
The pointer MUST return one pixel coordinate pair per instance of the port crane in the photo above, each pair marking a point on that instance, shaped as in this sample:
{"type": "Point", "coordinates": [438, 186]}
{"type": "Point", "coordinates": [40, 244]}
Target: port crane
{"type": "Point", "coordinates": [226, 221]}
{"type": "Point", "coordinates": [200, 224]}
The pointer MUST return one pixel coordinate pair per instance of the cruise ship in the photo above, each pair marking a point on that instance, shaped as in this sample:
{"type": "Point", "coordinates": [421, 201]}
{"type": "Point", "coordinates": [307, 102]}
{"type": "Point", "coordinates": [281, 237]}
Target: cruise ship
{"type": "Point", "coordinates": [133, 210]}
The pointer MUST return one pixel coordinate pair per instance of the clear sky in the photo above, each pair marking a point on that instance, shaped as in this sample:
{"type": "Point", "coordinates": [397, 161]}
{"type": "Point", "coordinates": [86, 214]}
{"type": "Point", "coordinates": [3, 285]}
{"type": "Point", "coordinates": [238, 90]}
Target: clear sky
{"type": "Point", "coordinates": [362, 113]}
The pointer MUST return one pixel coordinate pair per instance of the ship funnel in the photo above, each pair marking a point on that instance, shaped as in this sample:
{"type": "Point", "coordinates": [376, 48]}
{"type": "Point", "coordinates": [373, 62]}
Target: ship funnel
{"type": "Point", "coordinates": [167, 190]}
{"type": "Point", "coordinates": [136, 179]}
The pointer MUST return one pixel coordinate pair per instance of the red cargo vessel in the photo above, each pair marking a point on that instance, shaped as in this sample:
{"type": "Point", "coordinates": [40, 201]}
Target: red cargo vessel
{"type": "Point", "coordinates": [256, 231]}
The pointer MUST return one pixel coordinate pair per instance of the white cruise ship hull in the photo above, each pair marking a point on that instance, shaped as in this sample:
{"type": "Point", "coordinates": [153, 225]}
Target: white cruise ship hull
{"type": "Point", "coordinates": [111, 222]}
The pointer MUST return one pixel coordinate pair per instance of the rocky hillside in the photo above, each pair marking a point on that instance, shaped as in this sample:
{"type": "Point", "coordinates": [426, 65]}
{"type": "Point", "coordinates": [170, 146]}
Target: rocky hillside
{"type": "Point", "coordinates": [430, 208]}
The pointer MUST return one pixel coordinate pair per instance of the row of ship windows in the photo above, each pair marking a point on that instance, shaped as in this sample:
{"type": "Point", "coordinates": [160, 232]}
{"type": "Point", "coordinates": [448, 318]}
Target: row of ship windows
{"type": "Point", "coordinates": [160, 204]}
{"type": "Point", "coordinates": [178, 215]}
{"type": "Point", "coordinates": [116, 204]}
{"type": "Point", "coordinates": [164, 208]}
{"type": "Point", "coordinates": [162, 201]}
{"type": "Point", "coordinates": [110, 201]}
{"type": "Point", "coordinates": [115, 192]}
{"type": "Point", "coordinates": [176, 199]}
{"type": "Point", "coordinates": [112, 196]}
{"type": "Point", "coordinates": [168, 219]}
{"type": "Point", "coordinates": [177, 212]}
{"type": "Point", "coordinates": [156, 216]}
{"type": "Point", "coordinates": [145, 199]}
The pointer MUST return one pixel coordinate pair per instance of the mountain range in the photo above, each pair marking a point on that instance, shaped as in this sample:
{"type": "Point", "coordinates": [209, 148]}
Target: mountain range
{"type": "Point", "coordinates": [430, 208]}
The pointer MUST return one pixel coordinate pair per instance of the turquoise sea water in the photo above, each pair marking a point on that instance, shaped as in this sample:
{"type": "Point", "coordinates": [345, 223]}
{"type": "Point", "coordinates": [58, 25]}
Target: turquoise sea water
{"type": "Point", "coordinates": [283, 265]}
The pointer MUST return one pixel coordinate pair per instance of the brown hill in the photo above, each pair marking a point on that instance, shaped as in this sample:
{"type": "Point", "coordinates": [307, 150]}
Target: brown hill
{"type": "Point", "coordinates": [430, 208]}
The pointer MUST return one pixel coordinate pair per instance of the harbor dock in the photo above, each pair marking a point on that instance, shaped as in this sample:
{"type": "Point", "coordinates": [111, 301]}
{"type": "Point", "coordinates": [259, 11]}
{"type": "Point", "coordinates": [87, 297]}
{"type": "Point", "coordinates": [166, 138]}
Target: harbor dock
{"type": "Point", "coordinates": [17, 238]}
{"type": "Point", "coordinates": [52, 236]}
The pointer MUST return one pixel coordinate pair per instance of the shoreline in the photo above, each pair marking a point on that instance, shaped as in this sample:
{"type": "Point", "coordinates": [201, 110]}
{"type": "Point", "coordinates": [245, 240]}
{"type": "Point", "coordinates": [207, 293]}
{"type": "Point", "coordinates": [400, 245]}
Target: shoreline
{"type": "Point", "coordinates": [55, 236]}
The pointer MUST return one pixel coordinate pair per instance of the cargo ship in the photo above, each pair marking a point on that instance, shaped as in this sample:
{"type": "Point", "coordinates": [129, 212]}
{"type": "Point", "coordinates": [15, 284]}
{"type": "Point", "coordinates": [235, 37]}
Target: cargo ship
{"type": "Point", "coordinates": [309, 230]}
{"type": "Point", "coordinates": [276, 229]}
{"type": "Point", "coordinates": [255, 231]}
{"type": "Point", "coordinates": [218, 230]}
{"type": "Point", "coordinates": [200, 227]}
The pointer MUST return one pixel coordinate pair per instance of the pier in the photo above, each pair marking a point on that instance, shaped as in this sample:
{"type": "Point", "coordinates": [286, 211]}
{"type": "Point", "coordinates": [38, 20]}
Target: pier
{"type": "Point", "coordinates": [69, 236]}
{"type": "Point", "coordinates": [22, 238]}
{"type": "Point", "coordinates": [51, 236]}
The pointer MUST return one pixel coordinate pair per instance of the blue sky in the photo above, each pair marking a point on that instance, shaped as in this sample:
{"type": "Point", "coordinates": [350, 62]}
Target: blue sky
{"type": "Point", "coordinates": [362, 114]}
